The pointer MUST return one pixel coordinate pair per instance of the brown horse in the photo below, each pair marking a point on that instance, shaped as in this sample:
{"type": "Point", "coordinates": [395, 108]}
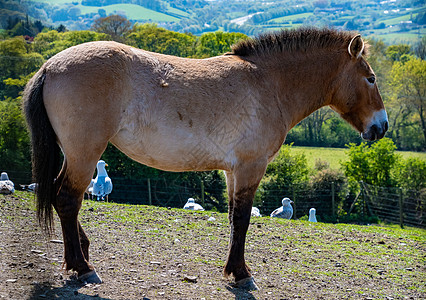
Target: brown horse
{"type": "Point", "coordinates": [230, 112]}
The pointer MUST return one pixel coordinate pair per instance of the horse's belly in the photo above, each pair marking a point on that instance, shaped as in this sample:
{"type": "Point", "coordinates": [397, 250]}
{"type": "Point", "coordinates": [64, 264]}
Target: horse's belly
{"type": "Point", "coordinates": [173, 151]}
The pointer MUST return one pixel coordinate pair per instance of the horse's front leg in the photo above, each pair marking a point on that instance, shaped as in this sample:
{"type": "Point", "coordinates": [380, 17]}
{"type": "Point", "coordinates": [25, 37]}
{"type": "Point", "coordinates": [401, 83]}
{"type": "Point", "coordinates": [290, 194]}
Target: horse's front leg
{"type": "Point", "coordinates": [246, 180]}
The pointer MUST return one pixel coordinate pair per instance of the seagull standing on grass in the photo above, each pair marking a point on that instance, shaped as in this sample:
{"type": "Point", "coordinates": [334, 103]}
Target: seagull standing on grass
{"type": "Point", "coordinates": [255, 212]}
{"type": "Point", "coordinates": [312, 217]}
{"type": "Point", "coordinates": [6, 185]}
{"type": "Point", "coordinates": [191, 205]}
{"type": "Point", "coordinates": [102, 186]}
{"type": "Point", "coordinates": [285, 211]}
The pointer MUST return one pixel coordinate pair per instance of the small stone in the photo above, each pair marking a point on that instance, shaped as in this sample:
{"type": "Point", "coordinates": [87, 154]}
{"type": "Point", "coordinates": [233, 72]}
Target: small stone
{"type": "Point", "coordinates": [380, 272]}
{"type": "Point", "coordinates": [381, 242]}
{"type": "Point", "coordinates": [36, 251]}
{"type": "Point", "coordinates": [91, 209]}
{"type": "Point", "coordinates": [265, 261]}
{"type": "Point", "coordinates": [192, 279]}
{"type": "Point", "coordinates": [155, 263]}
{"type": "Point", "coordinates": [409, 269]}
{"type": "Point", "coordinates": [11, 280]}
{"type": "Point", "coordinates": [161, 293]}
{"type": "Point", "coordinates": [211, 219]}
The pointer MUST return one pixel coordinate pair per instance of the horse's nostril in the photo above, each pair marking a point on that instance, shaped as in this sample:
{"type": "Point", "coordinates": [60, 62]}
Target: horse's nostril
{"type": "Point", "coordinates": [385, 125]}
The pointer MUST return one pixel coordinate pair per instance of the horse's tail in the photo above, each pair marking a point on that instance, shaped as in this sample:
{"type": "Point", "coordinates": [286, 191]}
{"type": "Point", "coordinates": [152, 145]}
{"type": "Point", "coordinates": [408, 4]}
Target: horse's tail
{"type": "Point", "coordinates": [45, 153]}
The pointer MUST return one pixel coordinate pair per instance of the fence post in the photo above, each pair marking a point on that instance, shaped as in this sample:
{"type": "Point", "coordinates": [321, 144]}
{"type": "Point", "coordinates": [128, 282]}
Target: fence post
{"type": "Point", "coordinates": [401, 212]}
{"type": "Point", "coordinates": [333, 210]}
{"type": "Point", "coordinates": [363, 199]}
{"type": "Point", "coordinates": [149, 192]}
{"type": "Point", "coordinates": [294, 202]}
{"type": "Point", "coordinates": [202, 192]}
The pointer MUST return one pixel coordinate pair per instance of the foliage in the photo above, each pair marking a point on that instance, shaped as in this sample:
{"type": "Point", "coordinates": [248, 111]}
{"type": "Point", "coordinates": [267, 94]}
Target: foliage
{"type": "Point", "coordinates": [286, 170]}
{"type": "Point", "coordinates": [14, 139]}
{"type": "Point", "coordinates": [156, 39]}
{"type": "Point", "coordinates": [52, 42]}
{"type": "Point", "coordinates": [411, 174]}
{"type": "Point", "coordinates": [216, 43]}
{"type": "Point", "coordinates": [409, 99]}
{"type": "Point", "coordinates": [371, 164]}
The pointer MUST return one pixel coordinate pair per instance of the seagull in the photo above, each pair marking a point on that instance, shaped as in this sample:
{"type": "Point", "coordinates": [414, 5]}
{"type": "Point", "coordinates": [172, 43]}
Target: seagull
{"type": "Point", "coordinates": [6, 185]}
{"type": "Point", "coordinates": [191, 205]}
{"type": "Point", "coordinates": [102, 185]}
{"type": "Point", "coordinates": [285, 211]}
{"type": "Point", "coordinates": [312, 217]}
{"type": "Point", "coordinates": [30, 188]}
{"type": "Point", "coordinates": [255, 212]}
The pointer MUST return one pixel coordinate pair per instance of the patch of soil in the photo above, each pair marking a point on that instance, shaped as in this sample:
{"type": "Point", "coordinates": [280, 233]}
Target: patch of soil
{"type": "Point", "coordinates": [141, 255]}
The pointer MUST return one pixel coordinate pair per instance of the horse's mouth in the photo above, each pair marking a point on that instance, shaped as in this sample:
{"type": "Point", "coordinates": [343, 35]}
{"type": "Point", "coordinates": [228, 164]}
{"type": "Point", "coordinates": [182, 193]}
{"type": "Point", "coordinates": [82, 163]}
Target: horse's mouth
{"type": "Point", "coordinates": [375, 132]}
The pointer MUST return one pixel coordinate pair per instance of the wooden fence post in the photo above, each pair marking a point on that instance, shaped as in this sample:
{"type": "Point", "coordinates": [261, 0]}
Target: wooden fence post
{"type": "Point", "coordinates": [202, 192]}
{"type": "Point", "coordinates": [149, 192]}
{"type": "Point", "coordinates": [333, 210]}
{"type": "Point", "coordinates": [294, 202]}
{"type": "Point", "coordinates": [401, 211]}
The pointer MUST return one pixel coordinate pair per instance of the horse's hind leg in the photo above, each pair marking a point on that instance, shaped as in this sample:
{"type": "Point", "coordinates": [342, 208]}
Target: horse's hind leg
{"type": "Point", "coordinates": [245, 180]}
{"type": "Point", "coordinates": [72, 183]}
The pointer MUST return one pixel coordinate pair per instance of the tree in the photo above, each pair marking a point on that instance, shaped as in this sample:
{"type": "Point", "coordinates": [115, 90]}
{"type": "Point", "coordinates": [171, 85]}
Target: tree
{"type": "Point", "coordinates": [409, 91]}
{"type": "Point", "coordinates": [371, 164]}
{"type": "Point", "coordinates": [115, 26]}
{"type": "Point", "coordinates": [217, 43]}
{"type": "Point", "coordinates": [156, 39]}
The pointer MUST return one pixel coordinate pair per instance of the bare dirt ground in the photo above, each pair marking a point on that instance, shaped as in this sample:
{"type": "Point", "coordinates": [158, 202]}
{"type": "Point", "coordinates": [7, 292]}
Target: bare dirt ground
{"type": "Point", "coordinates": [156, 253]}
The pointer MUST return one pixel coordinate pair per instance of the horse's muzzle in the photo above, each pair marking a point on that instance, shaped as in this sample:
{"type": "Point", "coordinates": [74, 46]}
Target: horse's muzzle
{"type": "Point", "coordinates": [375, 132]}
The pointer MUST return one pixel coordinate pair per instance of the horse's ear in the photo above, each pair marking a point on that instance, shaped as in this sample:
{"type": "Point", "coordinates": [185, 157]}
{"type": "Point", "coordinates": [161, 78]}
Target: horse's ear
{"type": "Point", "coordinates": [356, 46]}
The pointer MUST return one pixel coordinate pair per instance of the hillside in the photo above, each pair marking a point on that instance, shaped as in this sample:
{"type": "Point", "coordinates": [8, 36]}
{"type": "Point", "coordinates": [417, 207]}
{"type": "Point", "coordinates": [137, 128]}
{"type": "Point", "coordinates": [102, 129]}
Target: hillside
{"type": "Point", "coordinates": [393, 21]}
{"type": "Point", "coordinates": [143, 251]}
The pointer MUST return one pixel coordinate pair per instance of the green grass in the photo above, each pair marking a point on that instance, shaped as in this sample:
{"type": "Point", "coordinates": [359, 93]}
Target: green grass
{"type": "Point", "coordinates": [132, 11]}
{"type": "Point", "coordinates": [335, 155]}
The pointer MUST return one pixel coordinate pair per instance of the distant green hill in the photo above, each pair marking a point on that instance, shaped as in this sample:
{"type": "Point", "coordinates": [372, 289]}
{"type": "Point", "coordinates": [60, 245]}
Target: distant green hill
{"type": "Point", "coordinates": [392, 21]}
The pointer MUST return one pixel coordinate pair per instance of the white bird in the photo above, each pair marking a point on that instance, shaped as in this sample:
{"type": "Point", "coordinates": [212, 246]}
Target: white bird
{"type": "Point", "coordinates": [102, 185]}
{"type": "Point", "coordinates": [255, 212]}
{"type": "Point", "coordinates": [312, 217]}
{"type": "Point", "coordinates": [6, 185]}
{"type": "Point", "coordinates": [285, 211]}
{"type": "Point", "coordinates": [31, 187]}
{"type": "Point", "coordinates": [191, 205]}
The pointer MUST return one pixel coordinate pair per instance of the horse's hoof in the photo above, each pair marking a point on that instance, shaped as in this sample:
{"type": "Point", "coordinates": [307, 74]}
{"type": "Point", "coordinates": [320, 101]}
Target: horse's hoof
{"type": "Point", "coordinates": [90, 277]}
{"type": "Point", "coordinates": [247, 284]}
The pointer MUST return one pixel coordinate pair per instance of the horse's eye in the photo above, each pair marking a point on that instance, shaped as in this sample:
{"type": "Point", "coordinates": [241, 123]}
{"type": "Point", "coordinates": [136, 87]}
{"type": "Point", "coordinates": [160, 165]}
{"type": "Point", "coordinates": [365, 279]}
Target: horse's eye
{"type": "Point", "coordinates": [371, 79]}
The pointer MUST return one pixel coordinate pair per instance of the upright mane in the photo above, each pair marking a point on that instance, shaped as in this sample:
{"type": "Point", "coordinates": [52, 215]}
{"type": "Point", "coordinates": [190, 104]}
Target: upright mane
{"type": "Point", "coordinates": [301, 39]}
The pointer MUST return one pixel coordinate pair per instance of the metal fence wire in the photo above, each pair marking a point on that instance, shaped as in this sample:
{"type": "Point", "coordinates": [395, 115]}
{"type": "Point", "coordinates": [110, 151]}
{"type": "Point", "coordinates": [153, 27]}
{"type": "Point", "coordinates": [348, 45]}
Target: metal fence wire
{"type": "Point", "coordinates": [388, 204]}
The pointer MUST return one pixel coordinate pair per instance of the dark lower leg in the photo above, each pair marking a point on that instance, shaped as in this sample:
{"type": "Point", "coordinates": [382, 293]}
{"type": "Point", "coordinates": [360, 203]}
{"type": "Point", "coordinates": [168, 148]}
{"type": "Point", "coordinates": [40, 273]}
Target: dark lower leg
{"type": "Point", "coordinates": [236, 265]}
{"type": "Point", "coordinates": [76, 244]}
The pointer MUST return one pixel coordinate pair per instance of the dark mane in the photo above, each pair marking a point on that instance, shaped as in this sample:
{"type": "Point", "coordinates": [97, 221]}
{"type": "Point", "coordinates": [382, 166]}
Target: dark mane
{"type": "Point", "coordinates": [293, 40]}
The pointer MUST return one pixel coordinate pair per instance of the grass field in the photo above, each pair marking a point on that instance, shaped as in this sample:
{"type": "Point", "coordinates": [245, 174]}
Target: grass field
{"type": "Point", "coordinates": [290, 18]}
{"type": "Point", "coordinates": [132, 11]}
{"type": "Point", "coordinates": [335, 155]}
{"type": "Point", "coordinates": [145, 251]}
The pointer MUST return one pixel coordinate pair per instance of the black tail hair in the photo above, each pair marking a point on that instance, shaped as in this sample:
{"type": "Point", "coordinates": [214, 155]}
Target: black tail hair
{"type": "Point", "coordinates": [45, 154]}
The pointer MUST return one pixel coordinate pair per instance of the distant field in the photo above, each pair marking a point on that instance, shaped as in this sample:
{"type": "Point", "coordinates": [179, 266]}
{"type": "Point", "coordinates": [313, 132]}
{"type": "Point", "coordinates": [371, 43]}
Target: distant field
{"type": "Point", "coordinates": [132, 11]}
{"type": "Point", "coordinates": [290, 18]}
{"type": "Point", "coordinates": [335, 155]}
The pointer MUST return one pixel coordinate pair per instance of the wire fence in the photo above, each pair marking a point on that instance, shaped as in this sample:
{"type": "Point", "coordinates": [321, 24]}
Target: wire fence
{"type": "Point", "coordinates": [387, 204]}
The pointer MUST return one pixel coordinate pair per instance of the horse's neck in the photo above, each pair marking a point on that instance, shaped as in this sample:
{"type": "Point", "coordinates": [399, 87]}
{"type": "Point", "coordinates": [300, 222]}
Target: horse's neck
{"type": "Point", "coordinates": [304, 83]}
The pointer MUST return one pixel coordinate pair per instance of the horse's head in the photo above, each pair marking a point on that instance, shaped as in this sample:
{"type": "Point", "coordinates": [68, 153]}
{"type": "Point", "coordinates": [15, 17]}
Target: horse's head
{"type": "Point", "coordinates": [356, 96]}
